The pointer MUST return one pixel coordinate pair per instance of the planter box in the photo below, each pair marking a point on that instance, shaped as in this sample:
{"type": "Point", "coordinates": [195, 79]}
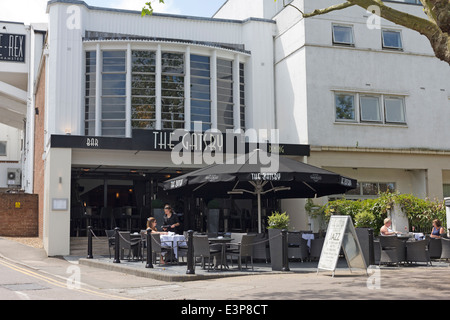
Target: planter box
{"type": "Point", "coordinates": [276, 250]}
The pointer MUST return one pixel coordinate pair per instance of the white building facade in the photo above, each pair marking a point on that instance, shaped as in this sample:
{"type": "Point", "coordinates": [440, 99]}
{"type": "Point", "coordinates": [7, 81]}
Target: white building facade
{"type": "Point", "coordinates": [371, 103]}
{"type": "Point", "coordinates": [371, 99]}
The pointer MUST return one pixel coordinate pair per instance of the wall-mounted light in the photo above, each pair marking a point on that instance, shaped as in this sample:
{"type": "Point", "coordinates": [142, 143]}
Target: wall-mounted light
{"type": "Point", "coordinates": [68, 132]}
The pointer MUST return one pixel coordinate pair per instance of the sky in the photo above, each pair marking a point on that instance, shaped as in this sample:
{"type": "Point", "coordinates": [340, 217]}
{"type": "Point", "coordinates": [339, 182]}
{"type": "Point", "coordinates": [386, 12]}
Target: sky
{"type": "Point", "coordinates": [28, 11]}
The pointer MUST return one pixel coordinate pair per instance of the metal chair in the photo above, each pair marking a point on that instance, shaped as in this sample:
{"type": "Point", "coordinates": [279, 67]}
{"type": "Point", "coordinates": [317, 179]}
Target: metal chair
{"type": "Point", "coordinates": [393, 250]}
{"type": "Point", "coordinates": [203, 250]}
{"type": "Point", "coordinates": [297, 246]}
{"type": "Point", "coordinates": [445, 252]}
{"type": "Point", "coordinates": [417, 251]}
{"type": "Point", "coordinates": [244, 249]}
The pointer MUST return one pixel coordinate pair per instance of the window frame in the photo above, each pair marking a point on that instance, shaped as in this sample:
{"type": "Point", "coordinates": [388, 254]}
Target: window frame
{"type": "Point", "coordinates": [380, 113]}
{"type": "Point", "coordinates": [403, 109]}
{"type": "Point", "coordinates": [352, 35]}
{"type": "Point", "coordinates": [385, 47]}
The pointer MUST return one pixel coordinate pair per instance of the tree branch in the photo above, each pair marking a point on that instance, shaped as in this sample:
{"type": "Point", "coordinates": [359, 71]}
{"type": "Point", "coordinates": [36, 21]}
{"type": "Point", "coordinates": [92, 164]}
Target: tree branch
{"type": "Point", "coordinates": [329, 9]}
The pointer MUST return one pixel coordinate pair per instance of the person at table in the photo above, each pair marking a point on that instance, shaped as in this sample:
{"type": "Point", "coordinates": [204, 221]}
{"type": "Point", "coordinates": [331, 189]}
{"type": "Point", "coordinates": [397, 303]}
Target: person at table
{"type": "Point", "coordinates": [171, 222]}
{"type": "Point", "coordinates": [151, 224]}
{"type": "Point", "coordinates": [386, 230]}
{"type": "Point", "coordinates": [438, 230]}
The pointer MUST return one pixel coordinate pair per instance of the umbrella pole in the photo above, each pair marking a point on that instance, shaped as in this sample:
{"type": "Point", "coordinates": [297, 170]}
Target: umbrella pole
{"type": "Point", "coordinates": [258, 192]}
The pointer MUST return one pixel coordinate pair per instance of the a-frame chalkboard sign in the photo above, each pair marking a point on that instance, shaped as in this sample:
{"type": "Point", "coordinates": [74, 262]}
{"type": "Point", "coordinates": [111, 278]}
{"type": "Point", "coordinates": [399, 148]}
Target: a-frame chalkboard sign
{"type": "Point", "coordinates": [341, 234]}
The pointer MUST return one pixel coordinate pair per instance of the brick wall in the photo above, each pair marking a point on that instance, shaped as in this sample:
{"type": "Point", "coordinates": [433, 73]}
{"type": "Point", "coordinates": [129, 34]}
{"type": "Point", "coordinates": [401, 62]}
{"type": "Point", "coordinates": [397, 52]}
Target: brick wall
{"type": "Point", "coordinates": [39, 135]}
{"type": "Point", "coordinates": [19, 215]}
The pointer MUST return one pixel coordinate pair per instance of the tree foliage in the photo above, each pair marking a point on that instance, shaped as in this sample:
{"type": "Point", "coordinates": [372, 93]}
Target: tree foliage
{"type": "Point", "coordinates": [436, 27]}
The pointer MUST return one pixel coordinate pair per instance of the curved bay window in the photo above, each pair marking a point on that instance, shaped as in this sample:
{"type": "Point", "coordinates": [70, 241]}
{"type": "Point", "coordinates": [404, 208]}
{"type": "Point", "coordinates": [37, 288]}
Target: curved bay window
{"type": "Point", "coordinates": [161, 90]}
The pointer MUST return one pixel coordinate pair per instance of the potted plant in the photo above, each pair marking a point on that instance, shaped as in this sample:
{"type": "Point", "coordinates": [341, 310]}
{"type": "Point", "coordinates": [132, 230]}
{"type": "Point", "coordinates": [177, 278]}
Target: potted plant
{"type": "Point", "coordinates": [277, 222]}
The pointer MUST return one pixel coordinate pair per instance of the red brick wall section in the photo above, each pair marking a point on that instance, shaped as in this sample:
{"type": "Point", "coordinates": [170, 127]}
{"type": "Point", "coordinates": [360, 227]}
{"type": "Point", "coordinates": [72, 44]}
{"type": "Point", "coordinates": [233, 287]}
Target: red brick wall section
{"type": "Point", "coordinates": [19, 215]}
{"type": "Point", "coordinates": [39, 134]}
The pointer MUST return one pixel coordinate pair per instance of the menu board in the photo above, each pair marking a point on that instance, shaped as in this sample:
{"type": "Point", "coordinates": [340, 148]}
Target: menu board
{"type": "Point", "coordinates": [341, 234]}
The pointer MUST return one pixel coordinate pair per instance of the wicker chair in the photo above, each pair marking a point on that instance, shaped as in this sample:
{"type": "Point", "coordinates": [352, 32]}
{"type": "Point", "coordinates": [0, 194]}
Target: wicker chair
{"type": "Point", "coordinates": [435, 248]}
{"type": "Point", "coordinates": [297, 246]}
{"type": "Point", "coordinates": [445, 253]}
{"type": "Point", "coordinates": [417, 251]}
{"type": "Point", "coordinates": [393, 250]}
{"type": "Point", "coordinates": [316, 248]}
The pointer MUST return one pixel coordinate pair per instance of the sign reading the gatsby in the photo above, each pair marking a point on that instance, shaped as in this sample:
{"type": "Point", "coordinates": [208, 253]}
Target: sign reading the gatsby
{"type": "Point", "coordinates": [12, 47]}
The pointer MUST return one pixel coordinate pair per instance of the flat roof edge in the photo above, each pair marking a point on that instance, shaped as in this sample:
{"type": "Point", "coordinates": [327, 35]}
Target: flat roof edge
{"type": "Point", "coordinates": [167, 15]}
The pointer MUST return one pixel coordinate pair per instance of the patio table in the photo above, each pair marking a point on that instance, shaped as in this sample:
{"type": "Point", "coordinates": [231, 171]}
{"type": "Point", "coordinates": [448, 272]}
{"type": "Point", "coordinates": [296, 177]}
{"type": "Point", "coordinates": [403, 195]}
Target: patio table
{"type": "Point", "coordinates": [223, 241]}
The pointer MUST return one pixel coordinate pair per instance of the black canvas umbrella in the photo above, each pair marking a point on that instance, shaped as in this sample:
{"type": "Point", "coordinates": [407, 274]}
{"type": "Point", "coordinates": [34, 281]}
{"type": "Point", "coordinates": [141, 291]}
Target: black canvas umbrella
{"type": "Point", "coordinates": [248, 174]}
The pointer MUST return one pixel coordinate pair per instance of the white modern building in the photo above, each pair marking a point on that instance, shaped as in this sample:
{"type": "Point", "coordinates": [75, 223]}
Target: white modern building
{"type": "Point", "coordinates": [111, 87]}
{"type": "Point", "coordinates": [371, 100]}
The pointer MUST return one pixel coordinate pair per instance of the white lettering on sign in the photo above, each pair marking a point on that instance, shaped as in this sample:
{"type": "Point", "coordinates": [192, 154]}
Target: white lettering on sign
{"type": "Point", "coordinates": [12, 47]}
{"type": "Point", "coordinates": [92, 142]}
{"type": "Point", "coordinates": [346, 182]}
{"type": "Point", "coordinates": [266, 176]}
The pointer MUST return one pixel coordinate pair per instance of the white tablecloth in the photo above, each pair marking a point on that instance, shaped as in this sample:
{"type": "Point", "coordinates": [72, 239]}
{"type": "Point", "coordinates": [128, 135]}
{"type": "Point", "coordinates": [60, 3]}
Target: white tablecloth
{"type": "Point", "coordinates": [419, 236]}
{"type": "Point", "coordinates": [178, 239]}
{"type": "Point", "coordinates": [309, 237]}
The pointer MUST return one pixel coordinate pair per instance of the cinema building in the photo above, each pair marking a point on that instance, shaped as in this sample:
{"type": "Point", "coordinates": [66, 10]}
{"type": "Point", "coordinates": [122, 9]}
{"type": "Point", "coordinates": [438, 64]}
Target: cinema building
{"type": "Point", "coordinates": [111, 88]}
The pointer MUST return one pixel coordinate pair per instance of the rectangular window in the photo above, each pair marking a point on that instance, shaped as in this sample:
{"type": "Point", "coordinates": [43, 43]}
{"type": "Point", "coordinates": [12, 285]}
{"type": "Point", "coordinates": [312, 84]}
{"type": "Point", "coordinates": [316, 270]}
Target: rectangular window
{"type": "Point", "coordinates": [225, 104]}
{"type": "Point", "coordinates": [391, 39]}
{"type": "Point", "coordinates": [370, 108]}
{"type": "Point", "coordinates": [114, 94]}
{"type": "Point", "coordinates": [90, 92]}
{"type": "Point", "coordinates": [3, 148]}
{"type": "Point", "coordinates": [343, 35]}
{"type": "Point", "coordinates": [394, 110]}
{"type": "Point", "coordinates": [242, 94]}
{"type": "Point", "coordinates": [201, 91]}
{"type": "Point", "coordinates": [172, 90]}
{"type": "Point", "coordinates": [370, 189]}
{"type": "Point", "coordinates": [345, 107]}
{"type": "Point", "coordinates": [143, 93]}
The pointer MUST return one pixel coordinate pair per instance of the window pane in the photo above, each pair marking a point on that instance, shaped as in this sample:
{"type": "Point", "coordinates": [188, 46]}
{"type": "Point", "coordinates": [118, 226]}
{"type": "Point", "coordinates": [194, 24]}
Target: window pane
{"type": "Point", "coordinates": [370, 108]}
{"type": "Point", "coordinates": [342, 35]}
{"type": "Point", "coordinates": [385, 187]}
{"type": "Point", "coordinates": [172, 90]}
{"type": "Point", "coordinates": [200, 91]}
{"type": "Point", "coordinates": [3, 148]}
{"type": "Point", "coordinates": [114, 93]}
{"type": "Point", "coordinates": [143, 93]}
{"type": "Point", "coordinates": [369, 188]}
{"type": "Point", "coordinates": [225, 103]}
{"type": "Point", "coordinates": [391, 39]}
{"type": "Point", "coordinates": [242, 94]}
{"type": "Point", "coordinates": [345, 107]}
{"type": "Point", "coordinates": [395, 112]}
{"type": "Point", "coordinates": [90, 93]}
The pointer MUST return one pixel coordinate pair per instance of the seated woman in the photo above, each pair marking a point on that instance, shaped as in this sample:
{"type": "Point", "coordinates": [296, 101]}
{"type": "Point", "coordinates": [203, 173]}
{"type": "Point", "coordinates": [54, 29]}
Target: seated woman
{"type": "Point", "coordinates": [151, 224]}
{"type": "Point", "coordinates": [438, 230]}
{"type": "Point", "coordinates": [386, 230]}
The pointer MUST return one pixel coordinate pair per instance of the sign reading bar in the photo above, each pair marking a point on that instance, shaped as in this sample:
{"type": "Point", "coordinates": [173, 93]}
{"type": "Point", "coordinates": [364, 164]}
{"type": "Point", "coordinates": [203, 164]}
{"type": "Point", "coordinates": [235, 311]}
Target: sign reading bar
{"type": "Point", "coordinates": [167, 141]}
{"type": "Point", "coordinates": [12, 47]}
{"type": "Point", "coordinates": [341, 234]}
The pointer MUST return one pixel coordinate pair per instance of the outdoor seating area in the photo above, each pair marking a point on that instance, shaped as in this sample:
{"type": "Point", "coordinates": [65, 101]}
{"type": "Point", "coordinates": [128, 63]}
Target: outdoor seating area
{"type": "Point", "coordinates": [410, 248]}
{"type": "Point", "coordinates": [214, 251]}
